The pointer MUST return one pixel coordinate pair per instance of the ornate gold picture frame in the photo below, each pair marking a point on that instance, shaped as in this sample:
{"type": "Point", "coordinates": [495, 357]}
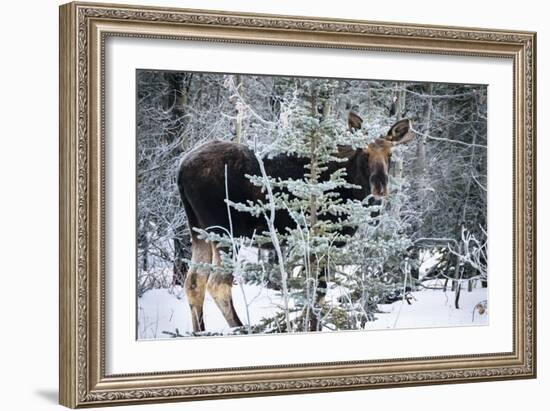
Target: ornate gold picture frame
{"type": "Point", "coordinates": [84, 30]}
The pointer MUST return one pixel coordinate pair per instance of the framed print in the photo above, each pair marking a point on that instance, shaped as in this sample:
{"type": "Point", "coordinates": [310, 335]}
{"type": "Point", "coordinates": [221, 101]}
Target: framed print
{"type": "Point", "coordinates": [259, 204]}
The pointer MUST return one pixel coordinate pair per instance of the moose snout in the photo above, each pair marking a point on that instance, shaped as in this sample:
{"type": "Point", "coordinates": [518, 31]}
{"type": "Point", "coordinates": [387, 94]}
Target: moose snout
{"type": "Point", "coordinates": [379, 185]}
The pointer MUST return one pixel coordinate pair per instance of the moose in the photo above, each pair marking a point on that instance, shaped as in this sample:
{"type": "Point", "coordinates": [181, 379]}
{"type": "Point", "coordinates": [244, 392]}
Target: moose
{"type": "Point", "coordinates": [205, 172]}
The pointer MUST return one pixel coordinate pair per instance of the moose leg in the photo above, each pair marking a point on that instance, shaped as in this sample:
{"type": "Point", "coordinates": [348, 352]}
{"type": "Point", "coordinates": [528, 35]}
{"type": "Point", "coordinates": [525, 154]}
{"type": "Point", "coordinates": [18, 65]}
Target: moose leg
{"type": "Point", "coordinates": [195, 281]}
{"type": "Point", "coordinates": [219, 286]}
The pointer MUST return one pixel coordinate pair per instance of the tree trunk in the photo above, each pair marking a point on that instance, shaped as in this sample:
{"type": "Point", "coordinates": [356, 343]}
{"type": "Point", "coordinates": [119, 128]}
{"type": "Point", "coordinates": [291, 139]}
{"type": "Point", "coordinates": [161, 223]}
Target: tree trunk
{"type": "Point", "coordinates": [179, 90]}
{"type": "Point", "coordinates": [401, 102]}
{"type": "Point", "coordinates": [420, 158]}
{"type": "Point", "coordinates": [457, 296]}
{"type": "Point", "coordinates": [239, 121]}
{"type": "Point", "coordinates": [310, 320]}
{"type": "Point", "coordinates": [462, 222]}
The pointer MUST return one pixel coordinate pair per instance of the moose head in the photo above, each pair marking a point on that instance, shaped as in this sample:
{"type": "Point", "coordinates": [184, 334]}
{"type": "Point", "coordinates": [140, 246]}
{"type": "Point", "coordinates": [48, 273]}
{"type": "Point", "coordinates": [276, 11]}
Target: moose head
{"type": "Point", "coordinates": [379, 154]}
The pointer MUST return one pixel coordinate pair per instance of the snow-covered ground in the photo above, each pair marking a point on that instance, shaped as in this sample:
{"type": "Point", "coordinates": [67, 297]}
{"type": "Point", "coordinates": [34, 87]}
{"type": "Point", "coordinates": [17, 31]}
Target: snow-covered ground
{"type": "Point", "coordinates": [165, 310]}
{"type": "Point", "coordinates": [432, 308]}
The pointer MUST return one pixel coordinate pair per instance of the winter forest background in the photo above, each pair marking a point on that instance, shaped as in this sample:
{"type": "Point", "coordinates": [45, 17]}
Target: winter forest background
{"type": "Point", "coordinates": [418, 259]}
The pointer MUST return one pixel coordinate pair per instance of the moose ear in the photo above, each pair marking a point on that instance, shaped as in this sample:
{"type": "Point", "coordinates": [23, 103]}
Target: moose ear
{"type": "Point", "coordinates": [401, 132]}
{"type": "Point", "coordinates": [354, 121]}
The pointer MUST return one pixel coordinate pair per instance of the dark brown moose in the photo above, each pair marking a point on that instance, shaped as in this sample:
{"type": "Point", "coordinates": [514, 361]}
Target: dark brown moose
{"type": "Point", "coordinates": [202, 181]}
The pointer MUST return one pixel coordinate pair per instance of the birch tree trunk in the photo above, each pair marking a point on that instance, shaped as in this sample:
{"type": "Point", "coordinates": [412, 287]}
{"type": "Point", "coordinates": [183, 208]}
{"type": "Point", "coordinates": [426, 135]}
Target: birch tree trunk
{"type": "Point", "coordinates": [401, 102]}
{"type": "Point", "coordinates": [461, 224]}
{"type": "Point", "coordinates": [420, 157]}
{"type": "Point", "coordinates": [239, 121]}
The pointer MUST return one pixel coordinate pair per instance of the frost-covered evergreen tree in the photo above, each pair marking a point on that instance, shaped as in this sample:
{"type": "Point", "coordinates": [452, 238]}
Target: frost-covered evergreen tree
{"type": "Point", "coordinates": [318, 251]}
